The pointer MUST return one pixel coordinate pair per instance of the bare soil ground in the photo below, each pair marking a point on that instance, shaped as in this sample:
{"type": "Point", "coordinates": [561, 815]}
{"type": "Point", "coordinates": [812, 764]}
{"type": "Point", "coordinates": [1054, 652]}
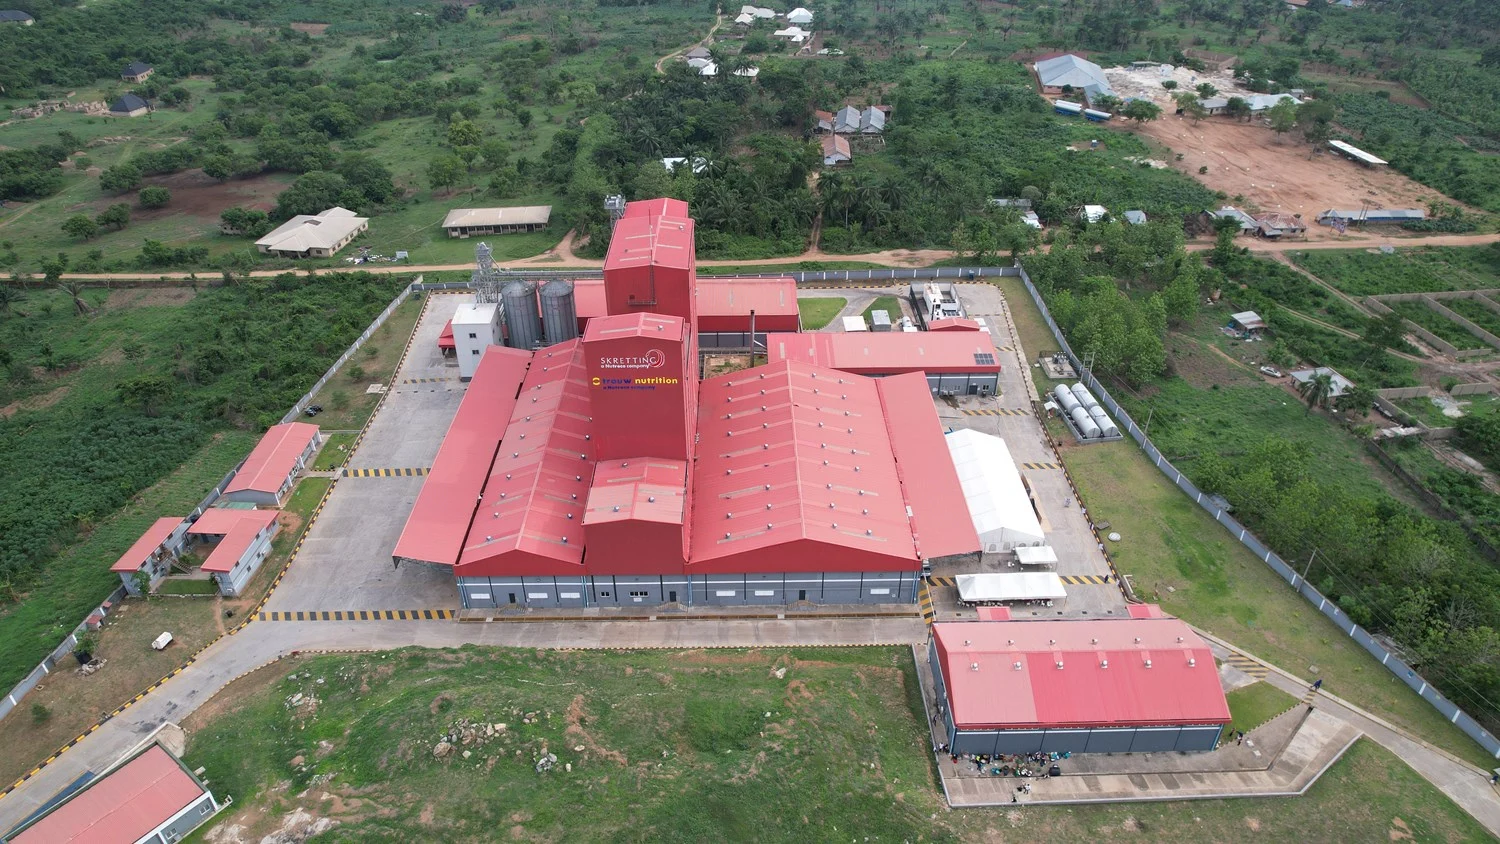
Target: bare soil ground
{"type": "Point", "coordinates": [198, 195]}
{"type": "Point", "coordinates": [314, 28]}
{"type": "Point", "coordinates": [1247, 159]}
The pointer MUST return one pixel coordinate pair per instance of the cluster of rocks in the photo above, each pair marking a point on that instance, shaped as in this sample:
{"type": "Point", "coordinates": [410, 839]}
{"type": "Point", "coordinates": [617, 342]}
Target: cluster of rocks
{"type": "Point", "coordinates": [465, 732]}
{"type": "Point", "coordinates": [48, 106]}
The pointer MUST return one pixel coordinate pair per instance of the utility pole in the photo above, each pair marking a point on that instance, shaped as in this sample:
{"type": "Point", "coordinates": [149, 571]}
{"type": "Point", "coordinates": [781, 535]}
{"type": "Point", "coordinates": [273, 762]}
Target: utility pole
{"type": "Point", "coordinates": [1149, 411]}
{"type": "Point", "coordinates": [1308, 567]}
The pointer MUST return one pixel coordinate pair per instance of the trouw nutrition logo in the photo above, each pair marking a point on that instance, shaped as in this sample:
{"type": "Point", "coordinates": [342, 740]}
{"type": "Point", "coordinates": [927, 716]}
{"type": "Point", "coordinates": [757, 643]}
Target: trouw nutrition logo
{"type": "Point", "coordinates": [653, 359]}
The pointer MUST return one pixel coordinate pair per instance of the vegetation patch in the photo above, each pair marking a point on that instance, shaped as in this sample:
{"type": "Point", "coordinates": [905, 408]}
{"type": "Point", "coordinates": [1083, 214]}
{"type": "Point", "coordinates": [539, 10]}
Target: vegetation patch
{"type": "Point", "coordinates": [1253, 705]}
{"type": "Point", "coordinates": [1418, 270]}
{"type": "Point", "coordinates": [818, 311]}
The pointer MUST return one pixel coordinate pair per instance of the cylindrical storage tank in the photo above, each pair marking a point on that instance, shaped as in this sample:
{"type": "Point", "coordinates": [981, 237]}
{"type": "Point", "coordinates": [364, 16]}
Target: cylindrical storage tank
{"type": "Point", "coordinates": [1080, 417]}
{"type": "Point", "coordinates": [559, 313]}
{"type": "Point", "coordinates": [522, 322]}
{"type": "Point", "coordinates": [1062, 392]}
{"type": "Point", "coordinates": [1108, 428]}
{"type": "Point", "coordinates": [1065, 398]}
{"type": "Point", "coordinates": [1083, 395]}
{"type": "Point", "coordinates": [1098, 413]}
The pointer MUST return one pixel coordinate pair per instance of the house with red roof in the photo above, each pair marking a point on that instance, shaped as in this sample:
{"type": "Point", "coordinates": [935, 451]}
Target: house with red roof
{"type": "Point", "coordinates": [148, 798]}
{"type": "Point", "coordinates": [268, 474]}
{"type": "Point", "coordinates": [153, 554]}
{"type": "Point", "coordinates": [239, 541]}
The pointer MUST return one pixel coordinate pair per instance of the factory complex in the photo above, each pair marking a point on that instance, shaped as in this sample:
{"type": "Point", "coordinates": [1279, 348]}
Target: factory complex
{"type": "Point", "coordinates": [597, 469]}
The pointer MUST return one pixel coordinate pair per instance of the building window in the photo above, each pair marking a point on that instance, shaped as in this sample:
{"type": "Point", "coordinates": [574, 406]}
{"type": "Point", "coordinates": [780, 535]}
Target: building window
{"type": "Point", "coordinates": [603, 594]}
{"type": "Point", "coordinates": [640, 594]}
{"type": "Point", "coordinates": [473, 336]}
{"type": "Point", "coordinates": [473, 351]}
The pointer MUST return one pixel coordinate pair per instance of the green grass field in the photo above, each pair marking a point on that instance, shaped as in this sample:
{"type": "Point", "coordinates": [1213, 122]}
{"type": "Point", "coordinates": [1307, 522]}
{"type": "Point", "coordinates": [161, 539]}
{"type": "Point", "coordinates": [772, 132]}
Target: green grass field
{"type": "Point", "coordinates": [334, 451]}
{"type": "Point", "coordinates": [1215, 583]}
{"type": "Point", "coordinates": [818, 311]}
{"type": "Point", "coordinates": [890, 304]}
{"type": "Point", "coordinates": [1416, 270]}
{"type": "Point", "coordinates": [1438, 324]}
{"type": "Point", "coordinates": [1253, 705]}
{"type": "Point", "coordinates": [681, 746]}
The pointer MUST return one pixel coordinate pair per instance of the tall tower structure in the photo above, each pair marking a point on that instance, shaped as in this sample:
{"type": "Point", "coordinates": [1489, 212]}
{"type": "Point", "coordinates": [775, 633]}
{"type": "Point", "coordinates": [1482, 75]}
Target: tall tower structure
{"type": "Point", "coordinates": [650, 267]}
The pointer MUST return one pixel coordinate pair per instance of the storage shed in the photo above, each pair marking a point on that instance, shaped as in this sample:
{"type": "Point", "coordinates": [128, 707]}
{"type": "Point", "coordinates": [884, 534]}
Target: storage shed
{"type": "Point", "coordinates": [998, 501]}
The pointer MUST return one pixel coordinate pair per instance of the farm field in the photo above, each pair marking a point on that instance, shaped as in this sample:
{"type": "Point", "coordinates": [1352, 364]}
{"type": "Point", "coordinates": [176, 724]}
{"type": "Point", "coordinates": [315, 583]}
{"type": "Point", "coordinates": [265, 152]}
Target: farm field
{"type": "Point", "coordinates": [1416, 270]}
{"type": "Point", "coordinates": [699, 744]}
{"type": "Point", "coordinates": [1445, 328]}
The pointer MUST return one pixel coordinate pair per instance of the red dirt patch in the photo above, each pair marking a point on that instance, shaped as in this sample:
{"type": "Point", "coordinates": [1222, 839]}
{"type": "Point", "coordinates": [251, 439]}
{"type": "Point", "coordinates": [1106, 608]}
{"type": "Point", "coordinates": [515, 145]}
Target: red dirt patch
{"type": "Point", "coordinates": [201, 196]}
{"type": "Point", "coordinates": [37, 402]}
{"type": "Point", "coordinates": [311, 28]}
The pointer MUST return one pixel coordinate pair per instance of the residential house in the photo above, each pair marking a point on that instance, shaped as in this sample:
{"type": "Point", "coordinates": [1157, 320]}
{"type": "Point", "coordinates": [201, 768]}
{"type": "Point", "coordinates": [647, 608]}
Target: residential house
{"type": "Point", "coordinates": [1215, 105]}
{"type": "Point", "coordinates": [699, 164]}
{"type": "Point", "coordinates": [697, 53]}
{"type": "Point", "coordinates": [1074, 72]}
{"type": "Point", "coordinates": [1028, 216]}
{"type": "Point", "coordinates": [1277, 224]}
{"type": "Point", "coordinates": [871, 121]}
{"type": "Point", "coordinates": [824, 121]}
{"type": "Point", "coordinates": [128, 106]}
{"type": "Point", "coordinates": [137, 72]}
{"type": "Point", "coordinates": [794, 34]}
{"type": "Point", "coordinates": [1246, 222]}
{"type": "Point", "coordinates": [846, 122]}
{"type": "Point", "coordinates": [15, 16]}
{"type": "Point", "coordinates": [1135, 218]}
{"type": "Point", "coordinates": [1094, 213]}
{"type": "Point", "coordinates": [836, 150]}
{"type": "Point", "coordinates": [799, 16]}
{"type": "Point", "coordinates": [321, 236]}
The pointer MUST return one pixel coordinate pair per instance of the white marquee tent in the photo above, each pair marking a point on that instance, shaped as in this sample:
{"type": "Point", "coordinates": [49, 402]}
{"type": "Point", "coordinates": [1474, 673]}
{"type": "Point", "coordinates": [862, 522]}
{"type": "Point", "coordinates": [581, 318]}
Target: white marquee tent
{"type": "Point", "coordinates": [994, 588]}
{"type": "Point", "coordinates": [997, 498]}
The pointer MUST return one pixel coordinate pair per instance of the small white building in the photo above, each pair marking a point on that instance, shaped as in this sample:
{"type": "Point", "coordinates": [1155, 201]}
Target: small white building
{"type": "Point", "coordinates": [794, 34]}
{"type": "Point", "coordinates": [998, 501]}
{"type": "Point", "coordinates": [321, 236]}
{"type": "Point", "coordinates": [941, 301]}
{"type": "Point", "coordinates": [153, 554]}
{"type": "Point", "coordinates": [243, 541]}
{"type": "Point", "coordinates": [799, 16]}
{"type": "Point", "coordinates": [671, 164]}
{"type": "Point", "coordinates": [475, 328]}
{"type": "Point", "coordinates": [268, 474]}
{"type": "Point", "coordinates": [855, 323]}
{"type": "Point", "coordinates": [1338, 384]}
{"type": "Point", "coordinates": [1094, 213]}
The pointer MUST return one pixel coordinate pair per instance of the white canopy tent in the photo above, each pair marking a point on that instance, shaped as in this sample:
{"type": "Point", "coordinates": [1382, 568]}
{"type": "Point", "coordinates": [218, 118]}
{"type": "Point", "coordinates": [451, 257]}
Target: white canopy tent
{"type": "Point", "coordinates": [1025, 586]}
{"type": "Point", "coordinates": [998, 502]}
{"type": "Point", "coordinates": [1040, 555]}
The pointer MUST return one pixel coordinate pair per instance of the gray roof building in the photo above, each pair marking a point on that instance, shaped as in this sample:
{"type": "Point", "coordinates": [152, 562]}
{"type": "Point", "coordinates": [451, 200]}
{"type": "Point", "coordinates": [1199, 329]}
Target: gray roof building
{"type": "Point", "coordinates": [130, 105]}
{"type": "Point", "coordinates": [872, 121]}
{"type": "Point", "coordinates": [1135, 218]}
{"type": "Point", "coordinates": [15, 16]}
{"type": "Point", "coordinates": [136, 69]}
{"type": "Point", "coordinates": [1072, 71]}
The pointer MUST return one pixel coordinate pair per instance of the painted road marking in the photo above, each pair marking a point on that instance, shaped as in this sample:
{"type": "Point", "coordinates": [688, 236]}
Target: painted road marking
{"type": "Point", "coordinates": [1085, 579]}
{"type": "Point", "coordinates": [426, 380]}
{"type": "Point", "coordinates": [1038, 466]}
{"type": "Point", "coordinates": [1001, 411]}
{"type": "Point", "coordinates": [1247, 665]}
{"type": "Point", "coordinates": [941, 581]}
{"type": "Point", "coordinates": [929, 615]}
{"type": "Point", "coordinates": [357, 615]}
{"type": "Point", "coordinates": [385, 473]}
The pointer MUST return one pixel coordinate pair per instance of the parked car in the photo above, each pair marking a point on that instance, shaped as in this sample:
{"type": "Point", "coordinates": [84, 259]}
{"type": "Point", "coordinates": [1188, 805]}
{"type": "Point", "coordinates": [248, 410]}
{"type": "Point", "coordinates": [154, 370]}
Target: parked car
{"type": "Point", "coordinates": [313, 409]}
{"type": "Point", "coordinates": [1271, 371]}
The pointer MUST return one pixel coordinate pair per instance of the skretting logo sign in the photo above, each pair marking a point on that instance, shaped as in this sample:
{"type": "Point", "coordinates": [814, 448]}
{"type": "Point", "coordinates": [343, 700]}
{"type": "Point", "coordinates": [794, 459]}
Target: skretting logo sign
{"type": "Point", "coordinates": [653, 359]}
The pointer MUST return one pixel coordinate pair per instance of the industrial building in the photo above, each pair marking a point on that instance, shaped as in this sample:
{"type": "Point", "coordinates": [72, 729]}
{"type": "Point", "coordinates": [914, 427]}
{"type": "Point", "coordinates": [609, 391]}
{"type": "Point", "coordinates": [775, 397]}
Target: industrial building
{"type": "Point", "coordinates": [956, 363]}
{"type": "Point", "coordinates": [467, 222]}
{"type": "Point", "coordinates": [474, 328]}
{"type": "Point", "coordinates": [242, 540]}
{"type": "Point", "coordinates": [153, 554]}
{"type": "Point", "coordinates": [1071, 72]}
{"type": "Point", "coordinates": [1147, 683]}
{"type": "Point", "coordinates": [320, 236]}
{"type": "Point", "coordinates": [148, 798]}
{"type": "Point", "coordinates": [268, 474]}
{"type": "Point", "coordinates": [998, 500]}
{"type": "Point", "coordinates": [600, 471]}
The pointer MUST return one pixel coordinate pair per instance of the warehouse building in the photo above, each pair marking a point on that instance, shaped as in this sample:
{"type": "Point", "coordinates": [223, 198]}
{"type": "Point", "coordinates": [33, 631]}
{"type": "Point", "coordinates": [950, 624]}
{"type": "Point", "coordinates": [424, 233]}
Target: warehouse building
{"type": "Point", "coordinates": [997, 498]}
{"type": "Point", "coordinates": [308, 236]}
{"type": "Point", "coordinates": [268, 474]}
{"type": "Point", "coordinates": [616, 478]}
{"type": "Point", "coordinates": [149, 798]}
{"type": "Point", "coordinates": [242, 541]}
{"type": "Point", "coordinates": [1070, 72]}
{"type": "Point", "coordinates": [467, 222]}
{"type": "Point", "coordinates": [1143, 684]}
{"type": "Point", "coordinates": [956, 363]}
{"type": "Point", "coordinates": [153, 554]}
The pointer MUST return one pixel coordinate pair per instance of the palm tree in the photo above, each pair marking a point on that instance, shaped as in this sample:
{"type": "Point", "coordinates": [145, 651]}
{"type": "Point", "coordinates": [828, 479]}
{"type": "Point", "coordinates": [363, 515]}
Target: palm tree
{"type": "Point", "coordinates": [1317, 390]}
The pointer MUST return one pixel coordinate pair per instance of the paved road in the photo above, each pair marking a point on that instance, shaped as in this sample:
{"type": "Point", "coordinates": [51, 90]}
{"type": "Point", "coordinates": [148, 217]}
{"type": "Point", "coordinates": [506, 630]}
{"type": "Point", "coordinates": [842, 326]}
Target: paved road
{"type": "Point", "coordinates": [262, 642]}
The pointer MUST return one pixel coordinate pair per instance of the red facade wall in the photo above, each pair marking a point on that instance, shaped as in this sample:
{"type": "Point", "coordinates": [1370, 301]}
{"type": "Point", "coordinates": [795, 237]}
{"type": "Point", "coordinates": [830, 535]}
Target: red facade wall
{"type": "Point", "coordinates": [634, 547]}
{"type": "Point", "coordinates": [641, 383]}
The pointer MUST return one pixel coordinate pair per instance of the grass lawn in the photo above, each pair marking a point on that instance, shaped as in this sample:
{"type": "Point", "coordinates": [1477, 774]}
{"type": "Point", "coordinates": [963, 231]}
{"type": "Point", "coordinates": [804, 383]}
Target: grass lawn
{"type": "Point", "coordinates": [346, 405]}
{"type": "Point", "coordinates": [683, 746]}
{"type": "Point", "coordinates": [77, 702]}
{"type": "Point", "coordinates": [1415, 270]}
{"type": "Point", "coordinates": [818, 311]}
{"type": "Point", "coordinates": [1216, 583]}
{"type": "Point", "coordinates": [890, 304]}
{"type": "Point", "coordinates": [1253, 705]}
{"type": "Point", "coordinates": [334, 451]}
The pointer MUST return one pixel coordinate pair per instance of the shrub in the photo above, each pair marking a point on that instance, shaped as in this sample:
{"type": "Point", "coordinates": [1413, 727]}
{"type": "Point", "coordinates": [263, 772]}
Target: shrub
{"type": "Point", "coordinates": [40, 714]}
{"type": "Point", "coordinates": [155, 197]}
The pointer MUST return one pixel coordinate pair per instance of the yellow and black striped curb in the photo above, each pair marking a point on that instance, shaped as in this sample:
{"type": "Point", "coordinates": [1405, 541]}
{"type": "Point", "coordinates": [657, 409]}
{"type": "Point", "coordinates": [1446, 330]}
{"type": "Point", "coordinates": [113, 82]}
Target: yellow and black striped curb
{"type": "Point", "coordinates": [290, 558]}
{"type": "Point", "coordinates": [357, 615]}
{"type": "Point", "coordinates": [929, 615]}
{"type": "Point", "coordinates": [1086, 579]}
{"type": "Point", "coordinates": [1248, 665]}
{"type": "Point", "coordinates": [385, 473]}
{"type": "Point", "coordinates": [1000, 411]}
{"type": "Point", "coordinates": [425, 380]}
{"type": "Point", "coordinates": [1040, 466]}
{"type": "Point", "coordinates": [941, 581]}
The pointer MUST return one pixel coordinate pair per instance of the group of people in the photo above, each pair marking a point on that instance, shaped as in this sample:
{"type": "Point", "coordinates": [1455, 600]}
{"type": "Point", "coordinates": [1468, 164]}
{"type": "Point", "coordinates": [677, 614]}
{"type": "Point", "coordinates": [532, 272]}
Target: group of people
{"type": "Point", "coordinates": [1039, 764]}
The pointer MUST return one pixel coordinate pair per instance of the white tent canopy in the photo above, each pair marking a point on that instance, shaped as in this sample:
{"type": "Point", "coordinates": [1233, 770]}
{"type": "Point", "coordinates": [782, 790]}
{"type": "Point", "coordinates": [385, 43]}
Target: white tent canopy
{"type": "Point", "coordinates": [1026, 586]}
{"type": "Point", "coordinates": [1040, 555]}
{"type": "Point", "coordinates": [992, 486]}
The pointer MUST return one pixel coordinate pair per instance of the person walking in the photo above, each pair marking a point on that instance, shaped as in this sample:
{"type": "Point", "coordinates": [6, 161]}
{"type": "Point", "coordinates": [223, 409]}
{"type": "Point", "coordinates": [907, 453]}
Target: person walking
{"type": "Point", "coordinates": [1317, 684]}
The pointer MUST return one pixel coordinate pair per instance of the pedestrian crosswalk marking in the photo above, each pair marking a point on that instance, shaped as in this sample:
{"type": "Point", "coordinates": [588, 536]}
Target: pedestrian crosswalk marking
{"type": "Point", "coordinates": [941, 581]}
{"type": "Point", "coordinates": [1039, 466]}
{"type": "Point", "coordinates": [998, 411]}
{"type": "Point", "coordinates": [386, 473]}
{"type": "Point", "coordinates": [1085, 579]}
{"type": "Point", "coordinates": [357, 615]}
{"type": "Point", "coordinates": [425, 380]}
{"type": "Point", "coordinates": [929, 615]}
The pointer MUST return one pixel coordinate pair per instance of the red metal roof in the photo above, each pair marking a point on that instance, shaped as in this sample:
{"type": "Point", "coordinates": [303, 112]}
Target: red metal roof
{"type": "Point", "coordinates": [993, 613]}
{"type": "Point", "coordinates": [652, 326]}
{"type": "Point", "coordinates": [737, 297]}
{"type": "Point", "coordinates": [662, 207]}
{"type": "Point", "coordinates": [953, 324]}
{"type": "Point", "coordinates": [236, 542]}
{"type": "Point", "coordinates": [159, 532]}
{"type": "Point", "coordinates": [658, 241]}
{"type": "Point", "coordinates": [439, 521]}
{"type": "Point", "coordinates": [645, 489]}
{"type": "Point", "coordinates": [889, 352]}
{"type": "Point", "coordinates": [121, 807]}
{"type": "Point", "coordinates": [796, 458]}
{"type": "Point", "coordinates": [1118, 672]}
{"type": "Point", "coordinates": [273, 458]}
{"type": "Point", "coordinates": [445, 339]}
{"type": "Point", "coordinates": [531, 517]}
{"type": "Point", "coordinates": [1146, 611]}
{"type": "Point", "coordinates": [219, 521]}
{"type": "Point", "coordinates": [934, 497]}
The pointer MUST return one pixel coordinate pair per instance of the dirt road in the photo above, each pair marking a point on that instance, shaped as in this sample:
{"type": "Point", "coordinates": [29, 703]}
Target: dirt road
{"type": "Point", "coordinates": [718, 21]}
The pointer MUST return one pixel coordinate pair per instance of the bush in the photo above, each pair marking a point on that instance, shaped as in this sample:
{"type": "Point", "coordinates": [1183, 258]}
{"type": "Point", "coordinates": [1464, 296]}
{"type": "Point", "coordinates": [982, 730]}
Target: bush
{"type": "Point", "coordinates": [155, 197]}
{"type": "Point", "coordinates": [40, 714]}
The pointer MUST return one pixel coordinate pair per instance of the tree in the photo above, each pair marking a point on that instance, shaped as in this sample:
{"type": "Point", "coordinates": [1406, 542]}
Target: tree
{"type": "Point", "coordinates": [117, 216]}
{"type": "Point", "coordinates": [1283, 116]}
{"type": "Point", "coordinates": [524, 117]}
{"type": "Point", "coordinates": [1142, 111]}
{"type": "Point", "coordinates": [1205, 90]}
{"type": "Point", "coordinates": [217, 167]}
{"type": "Point", "coordinates": [1317, 390]}
{"type": "Point", "coordinates": [495, 152]}
{"type": "Point", "coordinates": [145, 391]}
{"type": "Point", "coordinates": [1106, 102]}
{"type": "Point", "coordinates": [445, 171]}
{"type": "Point", "coordinates": [80, 226]}
{"type": "Point", "coordinates": [1238, 108]}
{"type": "Point", "coordinates": [244, 221]}
{"type": "Point", "coordinates": [1480, 434]}
{"type": "Point", "coordinates": [464, 133]}
{"type": "Point", "coordinates": [1170, 84]}
{"type": "Point", "coordinates": [154, 196]}
{"type": "Point", "coordinates": [367, 176]}
{"type": "Point", "coordinates": [120, 178]}
{"type": "Point", "coordinates": [312, 193]}
{"type": "Point", "coordinates": [73, 289]}
{"type": "Point", "coordinates": [1387, 331]}
{"type": "Point", "coordinates": [1356, 399]}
